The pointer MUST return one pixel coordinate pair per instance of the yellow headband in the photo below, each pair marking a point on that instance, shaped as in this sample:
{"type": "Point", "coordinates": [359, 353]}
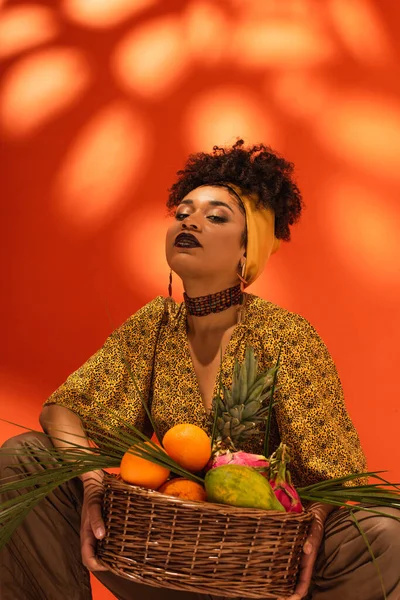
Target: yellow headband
{"type": "Point", "coordinates": [261, 240]}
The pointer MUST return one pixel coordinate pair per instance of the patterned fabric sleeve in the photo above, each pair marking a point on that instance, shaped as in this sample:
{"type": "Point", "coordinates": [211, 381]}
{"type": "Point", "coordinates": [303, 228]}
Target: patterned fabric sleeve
{"type": "Point", "coordinates": [310, 410]}
{"type": "Point", "coordinates": [103, 382]}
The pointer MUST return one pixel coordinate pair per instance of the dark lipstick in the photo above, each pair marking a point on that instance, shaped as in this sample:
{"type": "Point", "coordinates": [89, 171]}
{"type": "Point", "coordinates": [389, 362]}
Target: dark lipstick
{"type": "Point", "coordinates": [187, 240]}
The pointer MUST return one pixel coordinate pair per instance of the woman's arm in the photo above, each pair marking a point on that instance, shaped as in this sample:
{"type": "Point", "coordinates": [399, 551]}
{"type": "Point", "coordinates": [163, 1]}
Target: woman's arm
{"type": "Point", "coordinates": [314, 422]}
{"type": "Point", "coordinates": [310, 409]}
{"type": "Point", "coordinates": [60, 422]}
{"type": "Point", "coordinates": [90, 395]}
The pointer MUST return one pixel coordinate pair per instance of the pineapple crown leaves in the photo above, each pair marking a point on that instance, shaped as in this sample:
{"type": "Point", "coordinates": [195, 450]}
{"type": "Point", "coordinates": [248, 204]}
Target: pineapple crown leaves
{"type": "Point", "coordinates": [241, 408]}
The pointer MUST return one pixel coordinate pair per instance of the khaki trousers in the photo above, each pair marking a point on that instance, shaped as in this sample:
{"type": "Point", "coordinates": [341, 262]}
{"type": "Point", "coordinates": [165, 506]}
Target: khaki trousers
{"type": "Point", "coordinates": [42, 561]}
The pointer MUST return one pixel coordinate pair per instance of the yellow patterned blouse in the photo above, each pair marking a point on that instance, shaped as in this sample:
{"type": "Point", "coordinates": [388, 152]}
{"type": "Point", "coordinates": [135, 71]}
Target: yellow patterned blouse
{"type": "Point", "coordinates": [310, 415]}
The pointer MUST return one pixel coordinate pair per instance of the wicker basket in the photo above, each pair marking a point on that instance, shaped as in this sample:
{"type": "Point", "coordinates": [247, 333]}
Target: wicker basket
{"type": "Point", "coordinates": [158, 540]}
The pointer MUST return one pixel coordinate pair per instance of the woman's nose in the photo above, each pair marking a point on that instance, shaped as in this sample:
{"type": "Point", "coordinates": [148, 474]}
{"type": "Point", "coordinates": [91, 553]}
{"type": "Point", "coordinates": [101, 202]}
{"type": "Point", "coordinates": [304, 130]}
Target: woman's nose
{"type": "Point", "coordinates": [189, 223]}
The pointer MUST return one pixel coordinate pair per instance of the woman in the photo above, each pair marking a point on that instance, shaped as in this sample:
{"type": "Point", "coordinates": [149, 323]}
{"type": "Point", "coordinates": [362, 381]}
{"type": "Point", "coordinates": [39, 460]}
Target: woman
{"type": "Point", "coordinates": [232, 207]}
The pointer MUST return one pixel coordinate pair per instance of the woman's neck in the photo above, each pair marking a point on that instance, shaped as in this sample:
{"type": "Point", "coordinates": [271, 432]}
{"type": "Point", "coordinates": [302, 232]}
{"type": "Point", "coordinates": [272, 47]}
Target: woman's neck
{"type": "Point", "coordinates": [197, 287]}
{"type": "Point", "coordinates": [215, 322]}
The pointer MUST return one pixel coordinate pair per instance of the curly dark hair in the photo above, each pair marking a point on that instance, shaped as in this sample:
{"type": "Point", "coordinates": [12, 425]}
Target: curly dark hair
{"type": "Point", "coordinates": [257, 169]}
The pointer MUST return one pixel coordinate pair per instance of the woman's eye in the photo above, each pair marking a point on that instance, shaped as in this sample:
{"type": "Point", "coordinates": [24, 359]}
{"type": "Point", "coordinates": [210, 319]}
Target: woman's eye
{"type": "Point", "coordinates": [181, 216]}
{"type": "Point", "coordinates": [213, 218]}
{"type": "Point", "coordinates": [217, 219]}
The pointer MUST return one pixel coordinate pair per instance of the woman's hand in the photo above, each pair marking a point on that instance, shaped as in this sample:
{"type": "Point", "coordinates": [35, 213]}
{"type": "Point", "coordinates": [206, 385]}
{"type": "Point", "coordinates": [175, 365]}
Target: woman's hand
{"type": "Point", "coordinates": [310, 549]}
{"type": "Point", "coordinates": [92, 524]}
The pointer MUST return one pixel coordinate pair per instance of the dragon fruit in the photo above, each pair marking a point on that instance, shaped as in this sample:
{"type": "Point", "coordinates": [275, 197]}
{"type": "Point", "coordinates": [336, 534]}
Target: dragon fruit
{"type": "Point", "coordinates": [257, 461]}
{"type": "Point", "coordinates": [280, 480]}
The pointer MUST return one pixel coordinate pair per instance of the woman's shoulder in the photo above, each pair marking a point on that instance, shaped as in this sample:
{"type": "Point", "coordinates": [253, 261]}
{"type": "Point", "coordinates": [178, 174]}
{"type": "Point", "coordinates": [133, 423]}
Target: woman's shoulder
{"type": "Point", "coordinates": [148, 315]}
{"type": "Point", "coordinates": [267, 316]}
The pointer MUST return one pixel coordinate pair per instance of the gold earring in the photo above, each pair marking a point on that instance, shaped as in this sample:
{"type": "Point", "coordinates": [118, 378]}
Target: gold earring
{"type": "Point", "coordinates": [243, 269]}
{"type": "Point", "coordinates": [242, 266]}
{"type": "Point", "coordinates": [170, 284]}
{"type": "Point", "coordinates": [241, 309]}
{"type": "Point", "coordinates": [169, 303]}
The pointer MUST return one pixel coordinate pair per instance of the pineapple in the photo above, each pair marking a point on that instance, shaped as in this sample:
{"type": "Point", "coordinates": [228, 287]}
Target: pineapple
{"type": "Point", "coordinates": [243, 407]}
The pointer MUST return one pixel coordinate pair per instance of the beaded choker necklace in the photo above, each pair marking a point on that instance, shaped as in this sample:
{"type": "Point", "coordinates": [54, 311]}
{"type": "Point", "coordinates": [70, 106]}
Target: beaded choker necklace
{"type": "Point", "coordinates": [213, 303]}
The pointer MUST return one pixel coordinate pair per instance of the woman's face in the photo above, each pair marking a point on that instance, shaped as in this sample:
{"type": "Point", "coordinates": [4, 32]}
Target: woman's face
{"type": "Point", "coordinates": [204, 242]}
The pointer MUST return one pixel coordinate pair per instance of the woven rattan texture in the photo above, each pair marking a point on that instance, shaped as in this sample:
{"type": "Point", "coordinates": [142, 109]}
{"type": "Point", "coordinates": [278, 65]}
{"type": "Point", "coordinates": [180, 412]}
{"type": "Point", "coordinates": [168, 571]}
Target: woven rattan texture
{"type": "Point", "coordinates": [200, 547]}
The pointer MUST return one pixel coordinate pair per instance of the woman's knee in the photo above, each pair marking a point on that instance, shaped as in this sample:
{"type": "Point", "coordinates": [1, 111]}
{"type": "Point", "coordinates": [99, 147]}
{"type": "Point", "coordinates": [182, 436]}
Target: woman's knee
{"type": "Point", "coordinates": [27, 438]}
{"type": "Point", "coordinates": [384, 532]}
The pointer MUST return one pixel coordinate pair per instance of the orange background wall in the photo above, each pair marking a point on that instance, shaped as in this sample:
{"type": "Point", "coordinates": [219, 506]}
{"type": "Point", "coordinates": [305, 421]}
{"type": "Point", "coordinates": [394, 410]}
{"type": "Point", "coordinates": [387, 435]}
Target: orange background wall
{"type": "Point", "coordinates": [102, 101]}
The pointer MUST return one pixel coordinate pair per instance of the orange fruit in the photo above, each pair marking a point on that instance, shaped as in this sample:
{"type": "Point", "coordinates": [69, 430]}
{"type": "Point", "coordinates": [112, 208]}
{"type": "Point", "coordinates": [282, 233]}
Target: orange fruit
{"type": "Point", "coordinates": [184, 488]}
{"type": "Point", "coordinates": [140, 471]}
{"type": "Point", "coordinates": [188, 445]}
{"type": "Point", "coordinates": [155, 439]}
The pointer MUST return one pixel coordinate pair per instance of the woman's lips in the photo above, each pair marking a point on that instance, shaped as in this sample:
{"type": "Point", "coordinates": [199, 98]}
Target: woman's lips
{"type": "Point", "coordinates": [187, 240]}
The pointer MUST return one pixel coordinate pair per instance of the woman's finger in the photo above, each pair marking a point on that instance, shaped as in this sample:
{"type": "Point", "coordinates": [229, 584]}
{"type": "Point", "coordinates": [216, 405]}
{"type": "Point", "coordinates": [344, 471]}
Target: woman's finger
{"type": "Point", "coordinates": [88, 548]}
{"type": "Point", "coordinates": [96, 520]}
{"type": "Point", "coordinates": [306, 571]}
{"type": "Point", "coordinates": [93, 502]}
